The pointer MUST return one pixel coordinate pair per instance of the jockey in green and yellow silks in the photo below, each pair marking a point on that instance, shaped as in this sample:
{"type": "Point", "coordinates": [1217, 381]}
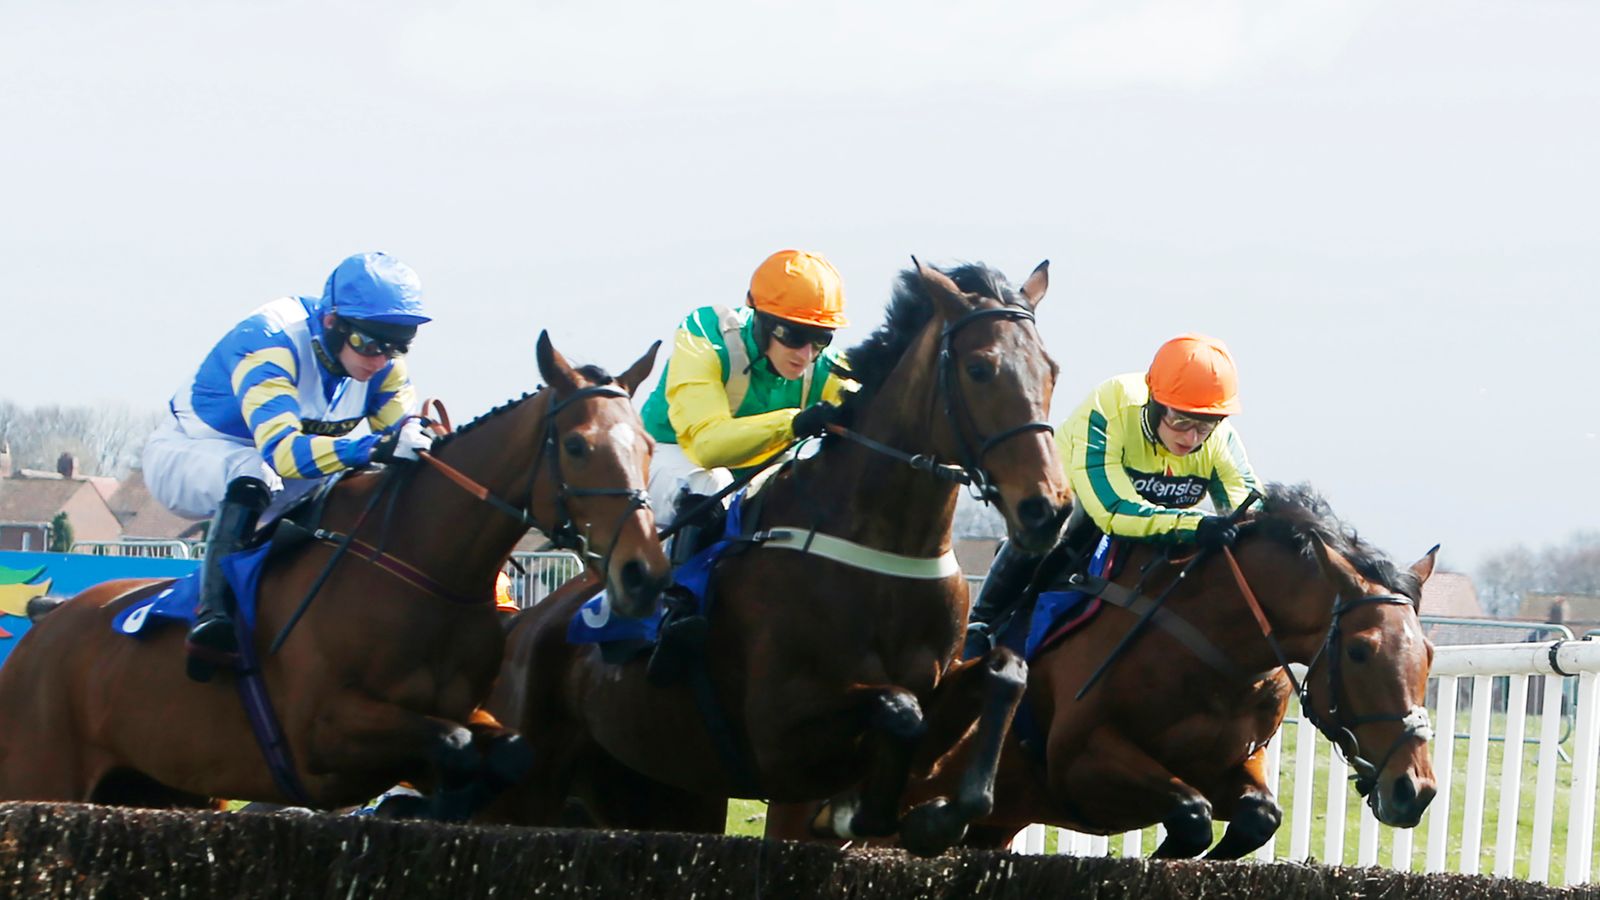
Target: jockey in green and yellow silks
{"type": "Point", "coordinates": [1141, 453]}
{"type": "Point", "coordinates": [743, 383]}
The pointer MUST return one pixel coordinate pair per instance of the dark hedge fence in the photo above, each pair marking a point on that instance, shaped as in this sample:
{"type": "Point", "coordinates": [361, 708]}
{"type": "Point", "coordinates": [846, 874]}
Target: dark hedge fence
{"type": "Point", "coordinates": [100, 852]}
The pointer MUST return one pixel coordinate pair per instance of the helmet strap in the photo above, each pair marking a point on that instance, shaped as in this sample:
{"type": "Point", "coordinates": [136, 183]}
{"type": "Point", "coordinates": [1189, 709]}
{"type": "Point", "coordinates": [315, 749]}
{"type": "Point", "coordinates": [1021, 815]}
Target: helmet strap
{"type": "Point", "coordinates": [1153, 412]}
{"type": "Point", "coordinates": [336, 337]}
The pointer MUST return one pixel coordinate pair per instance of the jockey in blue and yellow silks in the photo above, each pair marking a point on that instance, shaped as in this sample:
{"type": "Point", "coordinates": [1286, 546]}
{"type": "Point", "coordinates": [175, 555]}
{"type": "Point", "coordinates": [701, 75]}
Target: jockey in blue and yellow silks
{"type": "Point", "coordinates": [1141, 452]}
{"type": "Point", "coordinates": [280, 397]}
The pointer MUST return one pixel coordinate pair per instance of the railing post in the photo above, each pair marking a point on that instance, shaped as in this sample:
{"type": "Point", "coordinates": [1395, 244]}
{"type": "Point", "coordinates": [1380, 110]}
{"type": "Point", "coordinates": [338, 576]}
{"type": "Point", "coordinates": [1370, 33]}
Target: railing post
{"type": "Point", "coordinates": [1444, 748]}
{"type": "Point", "coordinates": [1544, 791]}
{"type": "Point", "coordinates": [1305, 784]}
{"type": "Point", "coordinates": [1505, 841]}
{"type": "Point", "coordinates": [1580, 822]}
{"type": "Point", "coordinates": [1477, 771]}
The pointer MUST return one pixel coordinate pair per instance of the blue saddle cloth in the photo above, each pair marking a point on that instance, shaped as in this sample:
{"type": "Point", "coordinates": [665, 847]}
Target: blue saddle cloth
{"type": "Point", "coordinates": [175, 602]}
{"type": "Point", "coordinates": [1052, 609]}
{"type": "Point", "coordinates": [594, 623]}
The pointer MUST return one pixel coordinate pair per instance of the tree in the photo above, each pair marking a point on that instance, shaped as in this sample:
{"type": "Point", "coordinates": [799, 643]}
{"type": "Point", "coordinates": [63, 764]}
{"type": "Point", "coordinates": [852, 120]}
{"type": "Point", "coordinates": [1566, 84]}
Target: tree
{"type": "Point", "coordinates": [1569, 568]}
{"type": "Point", "coordinates": [60, 534]}
{"type": "Point", "coordinates": [106, 439]}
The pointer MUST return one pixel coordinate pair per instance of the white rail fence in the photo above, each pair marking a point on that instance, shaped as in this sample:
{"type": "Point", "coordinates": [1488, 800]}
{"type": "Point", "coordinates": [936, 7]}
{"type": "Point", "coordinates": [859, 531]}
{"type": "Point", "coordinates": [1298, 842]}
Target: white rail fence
{"type": "Point", "coordinates": [1493, 814]}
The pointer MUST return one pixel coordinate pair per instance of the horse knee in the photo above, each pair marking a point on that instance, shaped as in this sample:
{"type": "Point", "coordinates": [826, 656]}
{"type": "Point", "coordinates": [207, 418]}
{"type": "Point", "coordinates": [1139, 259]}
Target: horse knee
{"type": "Point", "coordinates": [899, 715]}
{"type": "Point", "coordinates": [1188, 829]}
{"type": "Point", "coordinates": [1007, 669]}
{"type": "Point", "coordinates": [455, 758]}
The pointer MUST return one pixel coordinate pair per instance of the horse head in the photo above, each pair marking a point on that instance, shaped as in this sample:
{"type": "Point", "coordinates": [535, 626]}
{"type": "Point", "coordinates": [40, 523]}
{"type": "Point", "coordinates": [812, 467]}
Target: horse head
{"type": "Point", "coordinates": [995, 381]}
{"type": "Point", "coordinates": [599, 453]}
{"type": "Point", "coordinates": [1366, 687]}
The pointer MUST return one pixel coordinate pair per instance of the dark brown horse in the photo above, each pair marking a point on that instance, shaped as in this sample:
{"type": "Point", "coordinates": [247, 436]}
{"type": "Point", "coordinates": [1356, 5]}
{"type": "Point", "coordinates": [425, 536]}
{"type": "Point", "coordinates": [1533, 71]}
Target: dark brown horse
{"type": "Point", "coordinates": [1168, 738]}
{"type": "Point", "coordinates": [821, 670]}
{"type": "Point", "coordinates": [380, 679]}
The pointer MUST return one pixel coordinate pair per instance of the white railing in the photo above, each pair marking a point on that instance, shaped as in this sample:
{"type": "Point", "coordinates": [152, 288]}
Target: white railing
{"type": "Point", "coordinates": [1482, 818]}
{"type": "Point", "coordinates": [151, 548]}
{"type": "Point", "coordinates": [535, 575]}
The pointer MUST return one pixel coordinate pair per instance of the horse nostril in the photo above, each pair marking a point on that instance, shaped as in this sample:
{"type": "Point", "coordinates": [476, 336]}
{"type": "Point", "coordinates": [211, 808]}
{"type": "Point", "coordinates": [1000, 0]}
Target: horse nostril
{"type": "Point", "coordinates": [633, 576]}
{"type": "Point", "coordinates": [1405, 790]}
{"type": "Point", "coordinates": [1035, 512]}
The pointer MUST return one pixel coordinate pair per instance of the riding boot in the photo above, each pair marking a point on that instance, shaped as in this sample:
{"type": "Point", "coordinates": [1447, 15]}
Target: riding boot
{"type": "Point", "coordinates": [681, 638]}
{"type": "Point", "coordinates": [212, 641]}
{"type": "Point", "coordinates": [1004, 587]}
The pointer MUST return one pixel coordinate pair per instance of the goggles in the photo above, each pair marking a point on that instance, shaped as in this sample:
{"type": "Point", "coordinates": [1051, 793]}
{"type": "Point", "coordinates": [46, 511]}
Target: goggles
{"type": "Point", "coordinates": [795, 336]}
{"type": "Point", "coordinates": [1200, 427]}
{"type": "Point", "coordinates": [367, 345]}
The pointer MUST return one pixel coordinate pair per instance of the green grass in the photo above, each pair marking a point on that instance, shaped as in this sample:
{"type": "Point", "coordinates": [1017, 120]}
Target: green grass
{"type": "Point", "coordinates": [748, 817]}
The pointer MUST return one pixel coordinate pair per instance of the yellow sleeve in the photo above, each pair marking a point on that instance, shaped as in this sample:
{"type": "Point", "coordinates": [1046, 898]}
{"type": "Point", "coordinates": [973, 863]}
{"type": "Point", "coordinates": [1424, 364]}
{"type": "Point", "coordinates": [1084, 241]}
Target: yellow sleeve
{"type": "Point", "coordinates": [1092, 444]}
{"type": "Point", "coordinates": [697, 406]}
{"type": "Point", "coordinates": [392, 400]}
{"type": "Point", "coordinates": [1232, 478]}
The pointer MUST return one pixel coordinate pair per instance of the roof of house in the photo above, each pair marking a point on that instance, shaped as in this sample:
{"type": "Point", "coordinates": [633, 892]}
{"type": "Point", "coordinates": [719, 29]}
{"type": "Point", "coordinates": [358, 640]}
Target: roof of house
{"type": "Point", "coordinates": [36, 499]}
{"type": "Point", "coordinates": [142, 515]}
{"type": "Point", "coordinates": [1451, 594]}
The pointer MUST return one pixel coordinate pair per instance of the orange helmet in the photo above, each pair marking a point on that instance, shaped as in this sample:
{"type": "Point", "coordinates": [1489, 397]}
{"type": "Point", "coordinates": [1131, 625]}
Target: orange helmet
{"type": "Point", "coordinates": [1195, 374]}
{"type": "Point", "coordinates": [503, 600]}
{"type": "Point", "coordinates": [800, 287]}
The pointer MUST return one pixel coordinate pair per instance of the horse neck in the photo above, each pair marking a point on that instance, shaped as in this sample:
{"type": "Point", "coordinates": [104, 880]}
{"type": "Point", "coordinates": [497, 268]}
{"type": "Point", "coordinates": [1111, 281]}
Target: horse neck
{"type": "Point", "coordinates": [880, 501]}
{"type": "Point", "coordinates": [1295, 597]}
{"type": "Point", "coordinates": [441, 527]}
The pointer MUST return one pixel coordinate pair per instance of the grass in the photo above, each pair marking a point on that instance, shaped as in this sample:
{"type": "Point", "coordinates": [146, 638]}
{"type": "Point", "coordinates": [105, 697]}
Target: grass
{"type": "Point", "coordinates": [747, 817]}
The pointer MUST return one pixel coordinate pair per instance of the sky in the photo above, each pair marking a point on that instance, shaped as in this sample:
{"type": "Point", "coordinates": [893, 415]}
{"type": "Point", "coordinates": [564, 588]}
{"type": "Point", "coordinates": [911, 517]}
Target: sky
{"type": "Point", "coordinates": [1387, 210]}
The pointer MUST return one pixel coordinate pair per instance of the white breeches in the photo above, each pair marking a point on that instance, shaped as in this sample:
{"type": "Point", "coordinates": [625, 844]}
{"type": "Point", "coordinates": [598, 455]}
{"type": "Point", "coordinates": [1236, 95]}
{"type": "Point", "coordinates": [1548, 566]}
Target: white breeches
{"type": "Point", "coordinates": [670, 472]}
{"type": "Point", "coordinates": [189, 475]}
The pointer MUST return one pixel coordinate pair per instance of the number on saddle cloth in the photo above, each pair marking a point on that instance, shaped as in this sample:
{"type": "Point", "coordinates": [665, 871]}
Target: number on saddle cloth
{"type": "Point", "coordinates": [176, 601]}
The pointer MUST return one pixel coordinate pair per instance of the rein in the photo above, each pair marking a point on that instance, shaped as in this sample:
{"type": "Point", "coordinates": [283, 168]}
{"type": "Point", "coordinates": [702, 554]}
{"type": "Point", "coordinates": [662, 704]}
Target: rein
{"type": "Point", "coordinates": [970, 471]}
{"type": "Point", "coordinates": [1340, 731]}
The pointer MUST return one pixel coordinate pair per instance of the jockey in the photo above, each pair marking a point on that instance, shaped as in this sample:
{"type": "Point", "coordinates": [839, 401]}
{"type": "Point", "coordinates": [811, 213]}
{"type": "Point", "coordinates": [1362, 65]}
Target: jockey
{"type": "Point", "coordinates": [1140, 453]}
{"type": "Point", "coordinates": [278, 398]}
{"type": "Point", "coordinates": [741, 386]}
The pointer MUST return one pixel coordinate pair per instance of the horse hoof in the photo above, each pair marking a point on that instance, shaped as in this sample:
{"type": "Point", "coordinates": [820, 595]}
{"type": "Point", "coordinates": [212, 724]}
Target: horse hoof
{"type": "Point", "coordinates": [931, 828]}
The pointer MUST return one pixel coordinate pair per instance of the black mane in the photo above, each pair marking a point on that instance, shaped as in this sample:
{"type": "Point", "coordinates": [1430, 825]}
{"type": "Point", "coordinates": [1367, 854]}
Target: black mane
{"type": "Point", "coordinates": [910, 308]}
{"type": "Point", "coordinates": [1295, 513]}
{"type": "Point", "coordinates": [594, 374]}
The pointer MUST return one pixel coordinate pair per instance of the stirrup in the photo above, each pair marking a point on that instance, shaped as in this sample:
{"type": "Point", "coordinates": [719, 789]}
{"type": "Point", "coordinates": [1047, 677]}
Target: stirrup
{"type": "Point", "coordinates": [680, 642]}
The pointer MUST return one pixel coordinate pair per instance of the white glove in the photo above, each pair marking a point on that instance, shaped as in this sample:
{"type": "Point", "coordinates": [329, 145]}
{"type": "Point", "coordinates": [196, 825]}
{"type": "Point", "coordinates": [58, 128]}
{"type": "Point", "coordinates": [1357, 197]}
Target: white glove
{"type": "Point", "coordinates": [403, 444]}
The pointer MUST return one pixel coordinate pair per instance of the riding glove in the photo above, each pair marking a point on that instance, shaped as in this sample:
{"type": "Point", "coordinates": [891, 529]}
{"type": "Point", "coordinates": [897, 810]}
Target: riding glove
{"type": "Point", "coordinates": [402, 443]}
{"type": "Point", "coordinates": [1216, 532]}
{"type": "Point", "coordinates": [814, 419]}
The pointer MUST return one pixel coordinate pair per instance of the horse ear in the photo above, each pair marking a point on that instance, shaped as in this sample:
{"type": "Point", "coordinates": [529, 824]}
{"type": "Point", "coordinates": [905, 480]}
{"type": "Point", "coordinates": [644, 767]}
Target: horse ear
{"type": "Point", "coordinates": [949, 299]}
{"type": "Point", "coordinates": [1423, 567]}
{"type": "Point", "coordinates": [554, 368]}
{"type": "Point", "coordinates": [1033, 289]}
{"type": "Point", "coordinates": [640, 370]}
{"type": "Point", "coordinates": [1334, 566]}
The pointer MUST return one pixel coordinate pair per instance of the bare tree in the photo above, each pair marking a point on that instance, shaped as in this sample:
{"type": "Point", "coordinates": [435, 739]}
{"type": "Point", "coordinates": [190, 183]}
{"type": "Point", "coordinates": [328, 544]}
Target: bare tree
{"type": "Point", "coordinates": [106, 438]}
{"type": "Point", "coordinates": [1569, 568]}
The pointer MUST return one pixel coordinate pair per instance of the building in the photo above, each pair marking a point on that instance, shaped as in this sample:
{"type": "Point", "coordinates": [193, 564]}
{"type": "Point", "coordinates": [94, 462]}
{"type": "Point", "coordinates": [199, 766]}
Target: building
{"type": "Point", "coordinates": [143, 516]}
{"type": "Point", "coordinates": [30, 500]}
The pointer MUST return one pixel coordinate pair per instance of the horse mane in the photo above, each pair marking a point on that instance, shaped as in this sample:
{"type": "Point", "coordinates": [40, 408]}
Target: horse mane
{"type": "Point", "coordinates": [594, 374]}
{"type": "Point", "coordinates": [1295, 514]}
{"type": "Point", "coordinates": [910, 308]}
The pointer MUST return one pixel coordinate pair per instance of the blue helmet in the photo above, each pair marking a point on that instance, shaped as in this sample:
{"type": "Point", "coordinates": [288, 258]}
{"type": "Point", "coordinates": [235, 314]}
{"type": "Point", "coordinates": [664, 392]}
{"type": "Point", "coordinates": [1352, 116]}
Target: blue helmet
{"type": "Point", "coordinates": [375, 287]}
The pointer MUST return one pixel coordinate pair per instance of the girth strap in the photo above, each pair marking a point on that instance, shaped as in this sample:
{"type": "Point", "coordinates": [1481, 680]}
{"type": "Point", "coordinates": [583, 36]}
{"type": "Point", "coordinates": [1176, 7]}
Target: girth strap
{"type": "Point", "coordinates": [859, 556]}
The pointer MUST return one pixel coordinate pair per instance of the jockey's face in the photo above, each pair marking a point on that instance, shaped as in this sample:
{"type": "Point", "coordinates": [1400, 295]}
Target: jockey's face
{"type": "Point", "coordinates": [1182, 434]}
{"type": "Point", "coordinates": [790, 362]}
{"type": "Point", "coordinates": [359, 367]}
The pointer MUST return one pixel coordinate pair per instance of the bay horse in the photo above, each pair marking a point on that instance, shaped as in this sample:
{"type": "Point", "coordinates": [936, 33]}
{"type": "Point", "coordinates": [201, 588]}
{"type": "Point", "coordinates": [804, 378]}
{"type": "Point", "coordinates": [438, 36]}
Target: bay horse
{"type": "Point", "coordinates": [1176, 732]}
{"type": "Point", "coordinates": [819, 671]}
{"type": "Point", "coordinates": [380, 680]}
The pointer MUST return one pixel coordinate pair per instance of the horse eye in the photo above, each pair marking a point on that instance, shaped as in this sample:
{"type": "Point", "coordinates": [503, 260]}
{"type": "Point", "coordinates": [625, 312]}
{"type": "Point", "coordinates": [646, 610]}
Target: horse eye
{"type": "Point", "coordinates": [575, 445]}
{"type": "Point", "coordinates": [980, 372]}
{"type": "Point", "coordinates": [1359, 653]}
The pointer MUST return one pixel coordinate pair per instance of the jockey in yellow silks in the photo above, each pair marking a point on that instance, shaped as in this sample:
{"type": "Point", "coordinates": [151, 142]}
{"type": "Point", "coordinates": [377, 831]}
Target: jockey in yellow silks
{"type": "Point", "coordinates": [743, 383]}
{"type": "Point", "coordinates": [1141, 453]}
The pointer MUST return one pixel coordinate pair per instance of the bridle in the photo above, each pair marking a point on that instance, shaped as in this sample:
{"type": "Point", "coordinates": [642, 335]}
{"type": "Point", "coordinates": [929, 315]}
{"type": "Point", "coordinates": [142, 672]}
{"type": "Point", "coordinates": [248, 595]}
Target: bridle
{"type": "Point", "coordinates": [970, 470]}
{"type": "Point", "coordinates": [1336, 727]}
{"type": "Point", "coordinates": [564, 533]}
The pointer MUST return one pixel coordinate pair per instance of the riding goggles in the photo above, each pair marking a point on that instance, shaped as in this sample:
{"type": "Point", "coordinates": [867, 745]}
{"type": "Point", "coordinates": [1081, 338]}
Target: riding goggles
{"type": "Point", "coordinates": [1200, 427]}
{"type": "Point", "coordinates": [367, 345]}
{"type": "Point", "coordinates": [795, 336]}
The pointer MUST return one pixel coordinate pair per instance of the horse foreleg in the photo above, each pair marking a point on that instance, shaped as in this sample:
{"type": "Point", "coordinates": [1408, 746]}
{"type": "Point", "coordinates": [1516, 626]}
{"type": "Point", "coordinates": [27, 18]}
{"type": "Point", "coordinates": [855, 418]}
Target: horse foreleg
{"type": "Point", "coordinates": [506, 756]}
{"type": "Point", "coordinates": [1119, 787]}
{"type": "Point", "coordinates": [355, 734]}
{"type": "Point", "coordinates": [1253, 814]}
{"type": "Point", "coordinates": [987, 690]}
{"type": "Point", "coordinates": [894, 726]}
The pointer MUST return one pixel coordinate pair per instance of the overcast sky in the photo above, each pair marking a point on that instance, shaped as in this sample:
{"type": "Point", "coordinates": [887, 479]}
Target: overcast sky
{"type": "Point", "coordinates": [1388, 210]}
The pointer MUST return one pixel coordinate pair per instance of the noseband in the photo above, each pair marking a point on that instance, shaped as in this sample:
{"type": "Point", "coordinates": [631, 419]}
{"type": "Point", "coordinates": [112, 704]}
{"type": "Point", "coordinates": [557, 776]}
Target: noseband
{"type": "Point", "coordinates": [1341, 730]}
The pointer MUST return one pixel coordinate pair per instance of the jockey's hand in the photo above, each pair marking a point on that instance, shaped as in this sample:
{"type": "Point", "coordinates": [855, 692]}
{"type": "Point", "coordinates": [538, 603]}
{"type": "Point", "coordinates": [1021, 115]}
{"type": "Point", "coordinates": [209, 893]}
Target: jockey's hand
{"type": "Point", "coordinates": [1216, 532]}
{"type": "Point", "coordinates": [814, 419]}
{"type": "Point", "coordinates": [402, 443]}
